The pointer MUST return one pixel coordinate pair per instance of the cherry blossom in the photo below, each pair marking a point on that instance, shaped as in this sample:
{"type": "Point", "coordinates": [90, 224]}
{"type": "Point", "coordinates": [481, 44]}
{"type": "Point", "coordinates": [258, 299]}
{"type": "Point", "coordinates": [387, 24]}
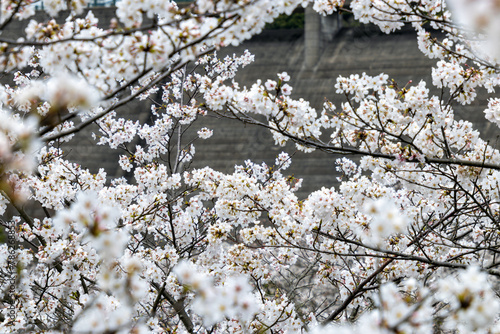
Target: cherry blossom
{"type": "Point", "coordinates": [406, 242]}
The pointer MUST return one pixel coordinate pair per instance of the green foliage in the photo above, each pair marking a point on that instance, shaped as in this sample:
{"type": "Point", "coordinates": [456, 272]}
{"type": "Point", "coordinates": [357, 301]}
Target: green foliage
{"type": "Point", "coordinates": [294, 21]}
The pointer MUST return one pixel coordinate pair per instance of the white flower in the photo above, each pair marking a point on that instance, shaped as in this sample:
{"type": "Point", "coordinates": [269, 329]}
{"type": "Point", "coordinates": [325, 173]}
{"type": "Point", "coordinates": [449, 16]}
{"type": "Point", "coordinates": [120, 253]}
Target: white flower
{"type": "Point", "coordinates": [286, 89]}
{"type": "Point", "coordinates": [110, 244]}
{"type": "Point", "coordinates": [386, 220]}
{"type": "Point", "coordinates": [205, 133]}
{"type": "Point", "coordinates": [472, 302]}
{"type": "Point", "coordinates": [271, 85]}
{"type": "Point", "coordinates": [284, 77]}
{"type": "Point", "coordinates": [188, 274]}
{"type": "Point", "coordinates": [91, 321]}
{"type": "Point", "coordinates": [65, 91]}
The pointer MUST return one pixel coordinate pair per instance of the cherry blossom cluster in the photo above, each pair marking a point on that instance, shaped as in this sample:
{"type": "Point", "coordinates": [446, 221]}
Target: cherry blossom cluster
{"type": "Point", "coordinates": [18, 145]}
{"type": "Point", "coordinates": [479, 17]}
{"type": "Point", "coordinates": [271, 100]}
{"type": "Point", "coordinates": [408, 307]}
{"type": "Point", "coordinates": [233, 300]}
{"type": "Point", "coordinates": [408, 128]}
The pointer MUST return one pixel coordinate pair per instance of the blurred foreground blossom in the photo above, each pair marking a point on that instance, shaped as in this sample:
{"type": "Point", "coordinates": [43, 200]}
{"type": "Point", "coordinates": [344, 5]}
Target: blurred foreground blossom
{"type": "Point", "coordinates": [480, 16]}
